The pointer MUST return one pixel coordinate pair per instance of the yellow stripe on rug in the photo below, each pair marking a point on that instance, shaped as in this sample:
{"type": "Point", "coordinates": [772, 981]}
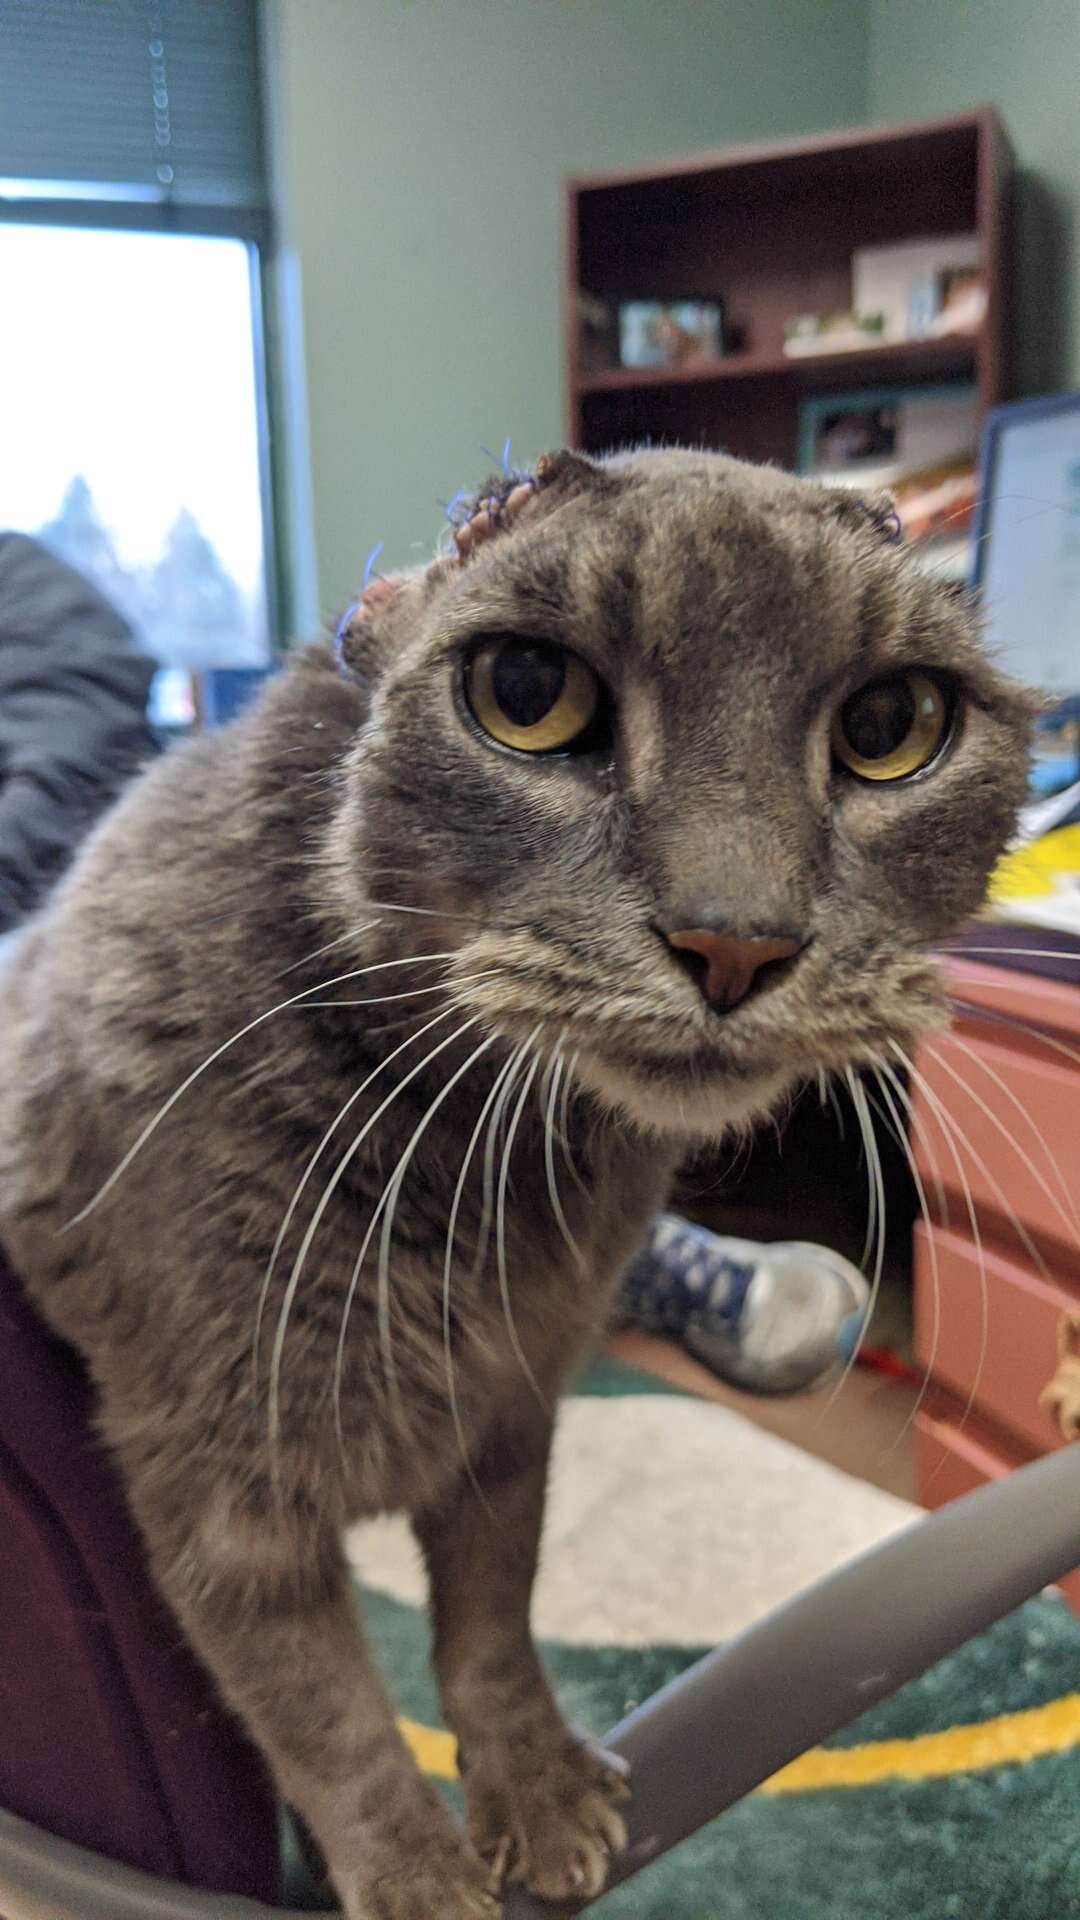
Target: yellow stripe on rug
{"type": "Point", "coordinates": [1010, 1739]}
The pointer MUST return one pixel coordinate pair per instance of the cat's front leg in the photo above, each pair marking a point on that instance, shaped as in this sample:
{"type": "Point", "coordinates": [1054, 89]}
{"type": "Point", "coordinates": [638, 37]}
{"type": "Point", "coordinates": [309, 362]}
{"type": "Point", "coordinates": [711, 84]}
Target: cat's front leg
{"type": "Point", "coordinates": [541, 1797]}
{"type": "Point", "coordinates": [270, 1609]}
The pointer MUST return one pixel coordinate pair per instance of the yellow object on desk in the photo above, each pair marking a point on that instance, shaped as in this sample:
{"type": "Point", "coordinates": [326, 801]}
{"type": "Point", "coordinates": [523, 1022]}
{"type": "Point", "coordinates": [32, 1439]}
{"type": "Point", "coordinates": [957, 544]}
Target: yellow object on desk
{"type": "Point", "coordinates": [1048, 866]}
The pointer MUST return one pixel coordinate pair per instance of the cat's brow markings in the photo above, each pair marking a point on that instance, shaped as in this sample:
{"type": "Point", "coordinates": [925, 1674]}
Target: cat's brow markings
{"type": "Point", "coordinates": [641, 737]}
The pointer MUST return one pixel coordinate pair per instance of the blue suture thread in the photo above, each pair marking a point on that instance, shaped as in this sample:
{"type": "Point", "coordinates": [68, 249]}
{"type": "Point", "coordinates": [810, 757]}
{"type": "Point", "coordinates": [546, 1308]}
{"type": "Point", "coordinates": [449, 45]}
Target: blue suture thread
{"type": "Point", "coordinates": [339, 637]}
{"type": "Point", "coordinates": [503, 460]}
{"type": "Point", "coordinates": [354, 607]}
{"type": "Point", "coordinates": [450, 507]}
{"type": "Point", "coordinates": [886, 520]}
{"type": "Point", "coordinates": [463, 504]}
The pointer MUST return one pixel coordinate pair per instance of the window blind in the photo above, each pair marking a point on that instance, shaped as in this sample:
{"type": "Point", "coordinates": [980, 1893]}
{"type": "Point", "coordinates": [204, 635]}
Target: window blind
{"type": "Point", "coordinates": [132, 99]}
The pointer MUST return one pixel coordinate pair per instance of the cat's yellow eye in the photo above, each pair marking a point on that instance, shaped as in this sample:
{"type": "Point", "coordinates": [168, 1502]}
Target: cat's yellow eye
{"type": "Point", "coordinates": [891, 728]}
{"type": "Point", "coordinates": [532, 695]}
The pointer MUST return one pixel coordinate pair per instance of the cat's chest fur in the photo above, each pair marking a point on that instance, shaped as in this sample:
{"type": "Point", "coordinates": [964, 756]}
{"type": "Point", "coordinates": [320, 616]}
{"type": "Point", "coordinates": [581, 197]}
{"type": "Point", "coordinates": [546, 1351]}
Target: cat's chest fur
{"type": "Point", "coordinates": [259, 1283]}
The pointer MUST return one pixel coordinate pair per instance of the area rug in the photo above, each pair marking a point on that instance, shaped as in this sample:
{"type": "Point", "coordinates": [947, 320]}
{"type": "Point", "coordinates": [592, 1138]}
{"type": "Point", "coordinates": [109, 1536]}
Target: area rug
{"type": "Point", "coordinates": [672, 1522]}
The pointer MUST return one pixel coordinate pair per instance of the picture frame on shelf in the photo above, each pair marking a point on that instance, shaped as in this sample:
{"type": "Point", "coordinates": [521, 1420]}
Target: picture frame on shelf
{"type": "Point", "coordinates": [917, 443]}
{"type": "Point", "coordinates": [922, 288]}
{"type": "Point", "coordinates": [670, 333]}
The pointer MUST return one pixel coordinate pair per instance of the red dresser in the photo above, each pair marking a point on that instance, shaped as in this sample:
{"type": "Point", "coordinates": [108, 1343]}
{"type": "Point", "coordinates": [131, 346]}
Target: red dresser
{"type": "Point", "coordinates": [1008, 1285]}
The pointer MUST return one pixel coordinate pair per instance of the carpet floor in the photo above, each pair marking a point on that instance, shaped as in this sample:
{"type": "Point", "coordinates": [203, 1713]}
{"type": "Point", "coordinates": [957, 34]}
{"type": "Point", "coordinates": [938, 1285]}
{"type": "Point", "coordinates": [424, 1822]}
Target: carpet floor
{"type": "Point", "coordinates": [672, 1524]}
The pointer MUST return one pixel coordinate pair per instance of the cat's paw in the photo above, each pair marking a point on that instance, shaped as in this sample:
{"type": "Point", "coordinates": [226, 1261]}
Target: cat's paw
{"type": "Point", "coordinates": [543, 1813]}
{"type": "Point", "coordinates": [440, 1879]}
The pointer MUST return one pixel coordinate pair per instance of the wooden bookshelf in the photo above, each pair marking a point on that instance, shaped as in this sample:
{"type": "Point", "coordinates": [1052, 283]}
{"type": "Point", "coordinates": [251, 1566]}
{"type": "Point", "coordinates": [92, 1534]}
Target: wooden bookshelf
{"type": "Point", "coordinates": [770, 229]}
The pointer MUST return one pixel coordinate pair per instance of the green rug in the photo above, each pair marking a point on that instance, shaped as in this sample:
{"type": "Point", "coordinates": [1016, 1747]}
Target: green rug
{"type": "Point", "coordinates": [959, 1797]}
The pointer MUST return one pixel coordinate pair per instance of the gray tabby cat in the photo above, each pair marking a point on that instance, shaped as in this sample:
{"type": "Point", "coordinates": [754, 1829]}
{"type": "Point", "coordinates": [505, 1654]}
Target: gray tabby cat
{"type": "Point", "coordinates": [636, 808]}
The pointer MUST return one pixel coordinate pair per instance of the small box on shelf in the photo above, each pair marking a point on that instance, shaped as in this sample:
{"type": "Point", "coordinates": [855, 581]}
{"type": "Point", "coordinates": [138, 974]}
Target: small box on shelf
{"type": "Point", "coordinates": [922, 287]}
{"type": "Point", "coordinates": [809, 334]}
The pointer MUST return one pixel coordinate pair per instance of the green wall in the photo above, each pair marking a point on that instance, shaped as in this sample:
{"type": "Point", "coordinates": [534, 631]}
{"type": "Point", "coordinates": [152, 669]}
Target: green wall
{"type": "Point", "coordinates": [940, 56]}
{"type": "Point", "coordinates": [424, 143]}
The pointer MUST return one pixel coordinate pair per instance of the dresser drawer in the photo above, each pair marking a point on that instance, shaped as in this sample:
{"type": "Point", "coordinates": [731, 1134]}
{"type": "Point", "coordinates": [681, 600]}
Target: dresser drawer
{"type": "Point", "coordinates": [952, 1459]}
{"type": "Point", "coordinates": [1023, 1312]}
{"type": "Point", "coordinates": [1036, 1093]}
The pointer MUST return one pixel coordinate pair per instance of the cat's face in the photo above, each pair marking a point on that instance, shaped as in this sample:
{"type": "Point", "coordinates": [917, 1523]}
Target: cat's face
{"type": "Point", "coordinates": [642, 706]}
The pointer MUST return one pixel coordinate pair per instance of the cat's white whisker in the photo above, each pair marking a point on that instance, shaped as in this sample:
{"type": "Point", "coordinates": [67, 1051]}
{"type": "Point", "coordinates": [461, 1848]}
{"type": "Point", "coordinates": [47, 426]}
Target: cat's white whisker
{"type": "Point", "coordinates": [441, 986]}
{"type": "Point", "coordinates": [997, 1018]}
{"type": "Point", "coordinates": [952, 1134]}
{"type": "Point", "coordinates": [1018, 983]}
{"type": "Point", "coordinates": [880, 1071]}
{"type": "Point", "coordinates": [451, 1233]}
{"type": "Point", "coordinates": [1021, 1231]}
{"type": "Point", "coordinates": [934, 570]}
{"type": "Point", "coordinates": [1068, 1213]}
{"type": "Point", "coordinates": [352, 934]}
{"type": "Point", "coordinates": [549, 1162]}
{"type": "Point", "coordinates": [886, 1118]}
{"type": "Point", "coordinates": [428, 913]}
{"type": "Point", "coordinates": [517, 1060]}
{"type": "Point", "coordinates": [1025, 953]}
{"type": "Point", "coordinates": [166, 1108]}
{"type": "Point", "coordinates": [871, 1188]}
{"type": "Point", "coordinates": [564, 1125]}
{"type": "Point", "coordinates": [1033, 984]}
{"type": "Point", "coordinates": [882, 1233]}
{"type": "Point", "coordinates": [387, 1207]}
{"type": "Point", "coordinates": [866, 1128]}
{"type": "Point", "coordinates": [543, 1085]}
{"type": "Point", "coordinates": [500, 1239]}
{"type": "Point", "coordinates": [287, 1219]}
{"type": "Point", "coordinates": [933, 1165]}
{"type": "Point", "coordinates": [312, 1228]}
{"type": "Point", "coordinates": [829, 1093]}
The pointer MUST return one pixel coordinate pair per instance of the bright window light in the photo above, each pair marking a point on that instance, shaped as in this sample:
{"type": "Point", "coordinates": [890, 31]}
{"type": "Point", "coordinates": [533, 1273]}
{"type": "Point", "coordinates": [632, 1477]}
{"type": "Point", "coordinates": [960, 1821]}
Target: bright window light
{"type": "Point", "coordinates": [129, 424]}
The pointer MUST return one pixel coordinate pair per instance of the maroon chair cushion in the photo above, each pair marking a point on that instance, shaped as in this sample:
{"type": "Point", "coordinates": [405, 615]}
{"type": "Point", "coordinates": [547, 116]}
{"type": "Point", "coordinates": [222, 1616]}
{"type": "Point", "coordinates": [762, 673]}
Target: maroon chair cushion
{"type": "Point", "coordinates": [111, 1732]}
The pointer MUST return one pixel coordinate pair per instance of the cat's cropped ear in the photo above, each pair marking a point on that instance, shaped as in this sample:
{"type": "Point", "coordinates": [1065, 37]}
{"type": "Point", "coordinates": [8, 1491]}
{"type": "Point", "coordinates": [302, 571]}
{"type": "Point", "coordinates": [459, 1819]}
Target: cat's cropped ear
{"type": "Point", "coordinates": [372, 626]}
{"type": "Point", "coordinates": [364, 632]}
{"type": "Point", "coordinates": [876, 511]}
{"type": "Point", "coordinates": [479, 517]}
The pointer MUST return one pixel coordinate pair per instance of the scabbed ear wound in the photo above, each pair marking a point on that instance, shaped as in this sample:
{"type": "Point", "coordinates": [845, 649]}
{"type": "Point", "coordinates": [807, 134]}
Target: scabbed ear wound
{"type": "Point", "coordinates": [877, 511]}
{"type": "Point", "coordinates": [354, 628]}
{"type": "Point", "coordinates": [476, 518]}
{"type": "Point", "coordinates": [473, 521]}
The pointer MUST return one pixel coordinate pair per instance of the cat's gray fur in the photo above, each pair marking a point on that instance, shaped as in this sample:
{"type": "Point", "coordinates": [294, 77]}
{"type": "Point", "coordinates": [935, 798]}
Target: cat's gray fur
{"type": "Point", "coordinates": [730, 611]}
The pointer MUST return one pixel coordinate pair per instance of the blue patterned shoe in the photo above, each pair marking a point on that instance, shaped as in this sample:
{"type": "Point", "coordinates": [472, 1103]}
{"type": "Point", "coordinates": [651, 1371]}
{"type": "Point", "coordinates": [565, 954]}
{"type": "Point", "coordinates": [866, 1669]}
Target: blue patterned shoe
{"type": "Point", "coordinates": [774, 1319]}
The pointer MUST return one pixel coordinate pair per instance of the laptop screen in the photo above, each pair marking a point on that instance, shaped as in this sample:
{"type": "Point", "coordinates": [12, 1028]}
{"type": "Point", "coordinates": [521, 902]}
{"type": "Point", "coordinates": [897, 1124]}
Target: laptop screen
{"type": "Point", "coordinates": [1028, 559]}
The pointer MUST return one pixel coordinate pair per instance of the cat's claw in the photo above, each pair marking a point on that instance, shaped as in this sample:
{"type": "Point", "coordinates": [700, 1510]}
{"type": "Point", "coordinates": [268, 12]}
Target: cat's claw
{"type": "Point", "coordinates": [548, 1820]}
{"type": "Point", "coordinates": [440, 1882]}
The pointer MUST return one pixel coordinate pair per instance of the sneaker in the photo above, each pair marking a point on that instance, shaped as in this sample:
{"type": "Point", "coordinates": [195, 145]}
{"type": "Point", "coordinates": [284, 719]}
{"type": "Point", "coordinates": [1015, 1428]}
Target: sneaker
{"type": "Point", "coordinates": [783, 1318]}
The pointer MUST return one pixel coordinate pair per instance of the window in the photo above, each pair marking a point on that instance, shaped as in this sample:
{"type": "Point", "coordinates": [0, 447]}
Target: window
{"type": "Point", "coordinates": [133, 223]}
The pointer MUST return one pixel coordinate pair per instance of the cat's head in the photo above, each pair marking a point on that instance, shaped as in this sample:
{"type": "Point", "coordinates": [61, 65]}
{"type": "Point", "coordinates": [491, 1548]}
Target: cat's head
{"type": "Point", "coordinates": [671, 694]}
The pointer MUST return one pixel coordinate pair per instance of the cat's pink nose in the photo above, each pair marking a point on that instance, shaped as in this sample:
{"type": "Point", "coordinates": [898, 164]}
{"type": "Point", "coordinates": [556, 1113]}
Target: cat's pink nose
{"type": "Point", "coordinates": [725, 966]}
